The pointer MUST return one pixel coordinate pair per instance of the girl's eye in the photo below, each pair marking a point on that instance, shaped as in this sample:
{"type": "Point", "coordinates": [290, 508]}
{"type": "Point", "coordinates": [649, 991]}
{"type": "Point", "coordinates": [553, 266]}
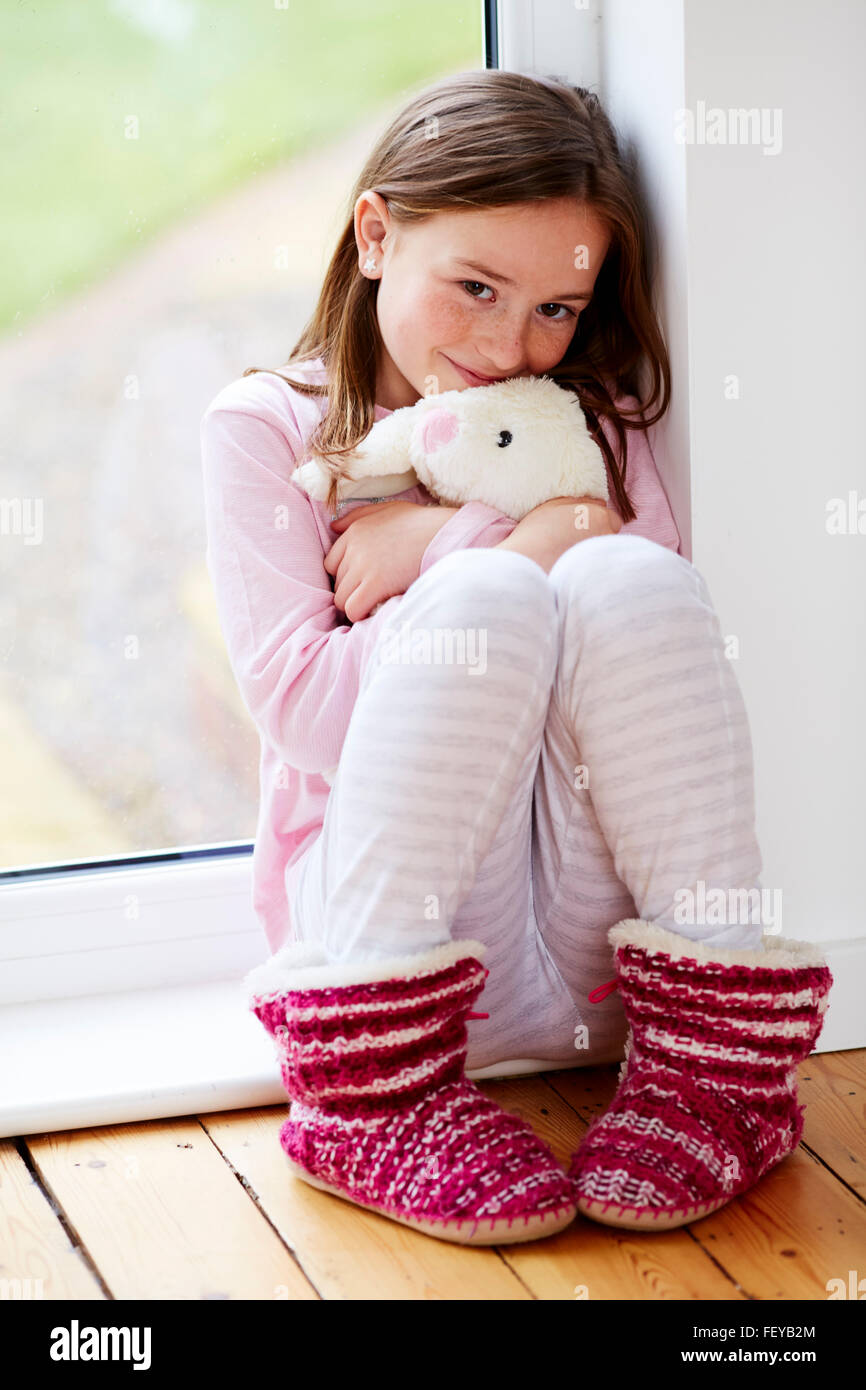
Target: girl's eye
{"type": "Point", "coordinates": [569, 313]}
{"type": "Point", "coordinates": [474, 282]}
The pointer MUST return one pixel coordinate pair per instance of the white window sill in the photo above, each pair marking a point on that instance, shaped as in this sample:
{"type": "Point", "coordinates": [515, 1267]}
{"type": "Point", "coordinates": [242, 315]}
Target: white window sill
{"type": "Point", "coordinates": [111, 1058]}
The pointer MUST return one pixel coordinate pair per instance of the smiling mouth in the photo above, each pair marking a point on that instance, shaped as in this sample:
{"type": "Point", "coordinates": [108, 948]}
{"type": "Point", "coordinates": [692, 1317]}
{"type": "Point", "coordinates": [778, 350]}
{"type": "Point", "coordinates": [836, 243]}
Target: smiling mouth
{"type": "Point", "coordinates": [474, 376]}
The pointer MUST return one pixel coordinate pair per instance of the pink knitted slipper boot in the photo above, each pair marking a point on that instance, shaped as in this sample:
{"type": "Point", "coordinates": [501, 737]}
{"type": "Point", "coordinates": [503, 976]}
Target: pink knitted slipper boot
{"type": "Point", "coordinates": [372, 1056]}
{"type": "Point", "coordinates": [707, 1095]}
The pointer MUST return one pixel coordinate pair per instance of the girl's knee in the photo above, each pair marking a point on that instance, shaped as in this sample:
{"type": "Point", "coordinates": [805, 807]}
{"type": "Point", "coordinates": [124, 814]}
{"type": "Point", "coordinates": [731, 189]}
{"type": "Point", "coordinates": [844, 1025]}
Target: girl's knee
{"type": "Point", "coordinates": [604, 569]}
{"type": "Point", "coordinates": [496, 603]}
{"type": "Point", "coordinates": [487, 581]}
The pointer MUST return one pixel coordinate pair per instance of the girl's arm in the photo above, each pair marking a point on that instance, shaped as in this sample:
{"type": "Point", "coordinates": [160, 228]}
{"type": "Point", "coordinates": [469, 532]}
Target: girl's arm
{"type": "Point", "coordinates": [474, 524]}
{"type": "Point", "coordinates": [378, 551]}
{"type": "Point", "coordinates": [553, 527]}
{"type": "Point", "coordinates": [297, 665]}
{"type": "Point", "coordinates": [381, 550]}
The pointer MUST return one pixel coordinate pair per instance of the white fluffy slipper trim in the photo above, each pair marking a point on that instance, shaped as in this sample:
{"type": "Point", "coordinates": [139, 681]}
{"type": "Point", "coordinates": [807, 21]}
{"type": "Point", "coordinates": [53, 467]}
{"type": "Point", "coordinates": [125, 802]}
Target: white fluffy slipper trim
{"type": "Point", "coordinates": [778, 953]}
{"type": "Point", "coordinates": [303, 965]}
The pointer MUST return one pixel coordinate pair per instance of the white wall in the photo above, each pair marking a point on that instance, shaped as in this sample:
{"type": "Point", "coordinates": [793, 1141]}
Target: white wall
{"type": "Point", "coordinates": [761, 293]}
{"type": "Point", "coordinates": [776, 296]}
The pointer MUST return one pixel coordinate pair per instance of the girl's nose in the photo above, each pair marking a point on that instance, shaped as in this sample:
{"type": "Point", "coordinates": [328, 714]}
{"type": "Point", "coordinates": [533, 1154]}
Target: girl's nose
{"type": "Point", "coordinates": [438, 428]}
{"type": "Point", "coordinates": [508, 350]}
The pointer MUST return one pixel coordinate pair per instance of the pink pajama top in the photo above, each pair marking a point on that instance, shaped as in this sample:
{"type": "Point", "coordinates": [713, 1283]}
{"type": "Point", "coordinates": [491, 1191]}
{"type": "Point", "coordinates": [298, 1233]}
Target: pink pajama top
{"type": "Point", "coordinates": [296, 659]}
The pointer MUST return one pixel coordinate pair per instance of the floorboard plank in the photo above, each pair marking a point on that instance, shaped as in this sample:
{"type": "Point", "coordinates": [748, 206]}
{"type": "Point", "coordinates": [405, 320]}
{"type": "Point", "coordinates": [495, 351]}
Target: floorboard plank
{"type": "Point", "coordinates": [161, 1213]}
{"type": "Point", "coordinates": [346, 1252]}
{"type": "Point", "coordinates": [37, 1259]}
{"type": "Point", "coordinates": [833, 1089]}
{"type": "Point", "coordinates": [792, 1232]}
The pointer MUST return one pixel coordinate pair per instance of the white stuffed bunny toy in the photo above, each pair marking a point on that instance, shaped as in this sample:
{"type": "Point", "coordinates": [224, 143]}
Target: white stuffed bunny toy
{"type": "Point", "coordinates": [513, 444]}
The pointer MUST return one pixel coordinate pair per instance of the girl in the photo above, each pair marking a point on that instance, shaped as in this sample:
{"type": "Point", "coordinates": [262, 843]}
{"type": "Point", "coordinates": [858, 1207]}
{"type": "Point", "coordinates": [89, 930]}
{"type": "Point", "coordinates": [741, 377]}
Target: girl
{"type": "Point", "coordinates": [558, 813]}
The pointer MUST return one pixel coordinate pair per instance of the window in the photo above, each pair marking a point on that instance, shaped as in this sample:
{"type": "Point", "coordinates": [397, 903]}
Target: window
{"type": "Point", "coordinates": [172, 187]}
{"type": "Point", "coordinates": [174, 177]}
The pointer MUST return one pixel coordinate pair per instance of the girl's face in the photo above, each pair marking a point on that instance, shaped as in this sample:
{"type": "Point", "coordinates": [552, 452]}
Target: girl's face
{"type": "Point", "coordinates": [495, 291]}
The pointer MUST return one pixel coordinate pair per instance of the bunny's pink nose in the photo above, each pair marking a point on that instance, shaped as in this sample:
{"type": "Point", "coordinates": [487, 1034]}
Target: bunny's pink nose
{"type": "Point", "coordinates": [438, 428]}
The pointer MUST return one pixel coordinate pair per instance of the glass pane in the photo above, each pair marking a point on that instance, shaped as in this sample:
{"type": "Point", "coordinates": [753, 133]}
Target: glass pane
{"type": "Point", "coordinates": [173, 177]}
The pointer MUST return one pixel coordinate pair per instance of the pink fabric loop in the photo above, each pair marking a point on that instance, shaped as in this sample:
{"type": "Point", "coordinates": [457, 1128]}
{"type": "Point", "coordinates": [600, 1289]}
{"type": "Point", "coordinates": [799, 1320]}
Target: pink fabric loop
{"type": "Point", "coordinates": [597, 995]}
{"type": "Point", "coordinates": [474, 1015]}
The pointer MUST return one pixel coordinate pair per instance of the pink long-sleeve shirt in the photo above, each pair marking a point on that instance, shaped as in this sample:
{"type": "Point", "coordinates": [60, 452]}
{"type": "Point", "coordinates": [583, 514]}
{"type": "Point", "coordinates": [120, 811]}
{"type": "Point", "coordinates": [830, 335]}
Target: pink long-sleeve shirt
{"type": "Point", "coordinates": [297, 660]}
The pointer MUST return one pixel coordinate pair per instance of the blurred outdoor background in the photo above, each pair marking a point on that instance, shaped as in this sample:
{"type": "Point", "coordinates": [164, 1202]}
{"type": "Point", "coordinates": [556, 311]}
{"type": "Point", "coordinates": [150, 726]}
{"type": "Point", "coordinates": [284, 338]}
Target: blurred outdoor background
{"type": "Point", "coordinates": [158, 156]}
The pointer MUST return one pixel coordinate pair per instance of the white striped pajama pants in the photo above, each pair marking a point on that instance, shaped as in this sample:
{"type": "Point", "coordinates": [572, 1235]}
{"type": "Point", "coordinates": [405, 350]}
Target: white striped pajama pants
{"type": "Point", "coordinates": [596, 761]}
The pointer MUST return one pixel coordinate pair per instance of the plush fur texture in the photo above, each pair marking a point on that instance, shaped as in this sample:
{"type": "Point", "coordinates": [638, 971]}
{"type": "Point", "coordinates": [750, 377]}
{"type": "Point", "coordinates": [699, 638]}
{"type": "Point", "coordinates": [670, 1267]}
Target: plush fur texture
{"type": "Point", "coordinates": [305, 966]}
{"type": "Point", "coordinates": [785, 952]}
{"type": "Point", "coordinates": [512, 445]}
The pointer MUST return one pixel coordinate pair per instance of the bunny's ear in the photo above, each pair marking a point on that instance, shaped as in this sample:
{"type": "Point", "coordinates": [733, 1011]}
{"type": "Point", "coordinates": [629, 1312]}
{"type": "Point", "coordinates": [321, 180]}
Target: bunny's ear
{"type": "Point", "coordinates": [386, 448]}
{"type": "Point", "coordinates": [312, 479]}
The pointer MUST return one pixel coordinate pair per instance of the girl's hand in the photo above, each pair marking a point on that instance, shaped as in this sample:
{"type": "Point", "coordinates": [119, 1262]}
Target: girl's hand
{"type": "Point", "coordinates": [555, 526]}
{"type": "Point", "coordinates": [378, 552]}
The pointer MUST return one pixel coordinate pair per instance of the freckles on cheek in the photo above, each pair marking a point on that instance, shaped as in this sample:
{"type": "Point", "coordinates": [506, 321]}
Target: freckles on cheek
{"type": "Point", "coordinates": [445, 318]}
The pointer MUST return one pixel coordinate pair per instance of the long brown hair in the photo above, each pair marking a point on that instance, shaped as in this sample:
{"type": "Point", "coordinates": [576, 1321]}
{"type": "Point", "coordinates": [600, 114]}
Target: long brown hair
{"type": "Point", "coordinates": [500, 138]}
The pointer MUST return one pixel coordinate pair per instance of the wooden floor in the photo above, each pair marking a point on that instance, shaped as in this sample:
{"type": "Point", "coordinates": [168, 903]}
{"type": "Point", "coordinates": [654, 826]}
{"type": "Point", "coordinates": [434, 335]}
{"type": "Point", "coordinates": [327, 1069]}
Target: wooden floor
{"type": "Point", "coordinates": [202, 1207]}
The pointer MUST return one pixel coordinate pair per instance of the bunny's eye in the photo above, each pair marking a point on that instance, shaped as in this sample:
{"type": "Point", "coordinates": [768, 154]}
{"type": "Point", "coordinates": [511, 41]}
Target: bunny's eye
{"type": "Point", "coordinates": [504, 438]}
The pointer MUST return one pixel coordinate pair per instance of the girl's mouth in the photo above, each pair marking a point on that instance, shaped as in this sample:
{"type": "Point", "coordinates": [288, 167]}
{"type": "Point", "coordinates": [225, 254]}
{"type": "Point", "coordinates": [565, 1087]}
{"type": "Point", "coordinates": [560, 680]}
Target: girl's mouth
{"type": "Point", "coordinates": [472, 378]}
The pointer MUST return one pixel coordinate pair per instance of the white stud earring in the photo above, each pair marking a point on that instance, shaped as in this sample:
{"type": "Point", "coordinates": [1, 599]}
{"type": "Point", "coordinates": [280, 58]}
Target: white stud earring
{"type": "Point", "coordinates": [370, 264]}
